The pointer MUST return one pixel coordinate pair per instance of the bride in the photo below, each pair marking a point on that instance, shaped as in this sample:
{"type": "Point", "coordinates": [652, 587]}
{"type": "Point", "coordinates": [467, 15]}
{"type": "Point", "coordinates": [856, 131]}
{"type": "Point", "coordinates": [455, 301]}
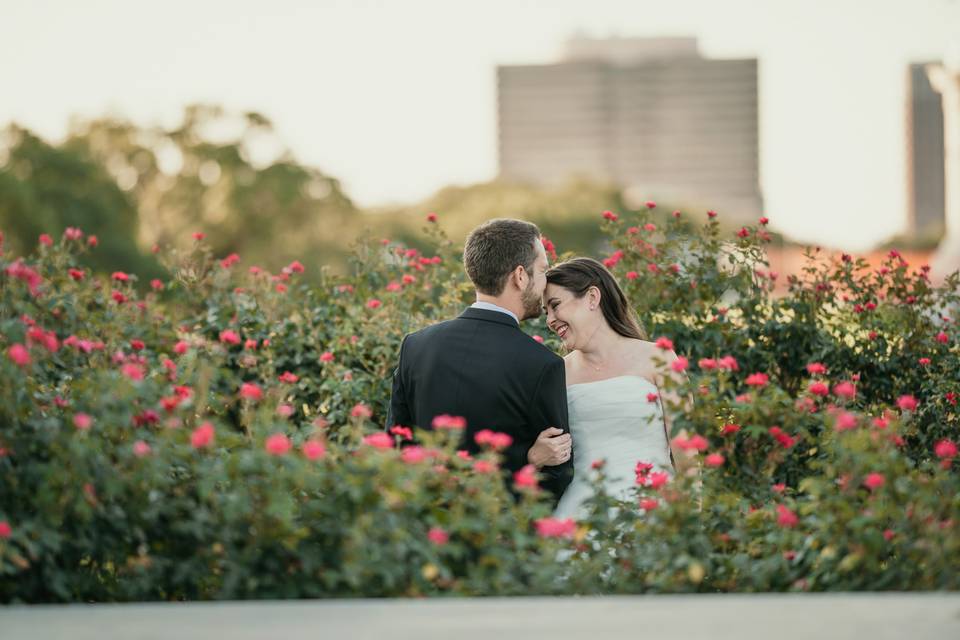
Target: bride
{"type": "Point", "coordinates": [613, 385]}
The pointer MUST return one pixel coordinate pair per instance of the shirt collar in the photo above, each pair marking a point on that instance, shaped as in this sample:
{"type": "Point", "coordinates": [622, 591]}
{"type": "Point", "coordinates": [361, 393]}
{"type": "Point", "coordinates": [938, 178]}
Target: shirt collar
{"type": "Point", "coordinates": [489, 306]}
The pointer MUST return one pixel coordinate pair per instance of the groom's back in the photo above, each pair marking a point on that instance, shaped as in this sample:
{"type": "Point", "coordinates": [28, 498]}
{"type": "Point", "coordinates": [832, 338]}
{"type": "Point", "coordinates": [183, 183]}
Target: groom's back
{"type": "Point", "coordinates": [480, 366]}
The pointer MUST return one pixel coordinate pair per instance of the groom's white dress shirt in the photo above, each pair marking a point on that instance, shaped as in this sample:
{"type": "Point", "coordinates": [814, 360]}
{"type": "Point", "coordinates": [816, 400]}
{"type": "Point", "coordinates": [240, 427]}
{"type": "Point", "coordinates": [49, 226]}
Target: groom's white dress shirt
{"type": "Point", "coordinates": [489, 306]}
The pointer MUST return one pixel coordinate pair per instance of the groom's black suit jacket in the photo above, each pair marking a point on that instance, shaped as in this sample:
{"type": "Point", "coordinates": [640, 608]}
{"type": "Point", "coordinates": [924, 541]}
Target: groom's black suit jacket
{"type": "Point", "coordinates": [482, 367]}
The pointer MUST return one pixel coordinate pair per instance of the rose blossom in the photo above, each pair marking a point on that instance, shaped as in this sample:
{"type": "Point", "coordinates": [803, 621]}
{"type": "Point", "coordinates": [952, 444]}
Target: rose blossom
{"type": "Point", "coordinates": [657, 479]}
{"type": "Point", "coordinates": [133, 371]}
{"type": "Point", "coordinates": [438, 536]}
{"type": "Point", "coordinates": [19, 354]}
{"type": "Point", "coordinates": [361, 410]}
{"type": "Point", "coordinates": [555, 527]}
{"type": "Point", "coordinates": [729, 363]}
{"type": "Point", "coordinates": [526, 477]}
{"type": "Point", "coordinates": [845, 421]}
{"type": "Point", "coordinates": [494, 439]}
{"type": "Point", "coordinates": [202, 436]}
{"type": "Point", "coordinates": [680, 364]}
{"type": "Point", "coordinates": [402, 432]}
{"type": "Point", "coordinates": [757, 379]}
{"type": "Point", "coordinates": [713, 460]}
{"type": "Point", "coordinates": [649, 504]}
{"type": "Point", "coordinates": [229, 336]}
{"type": "Point", "coordinates": [277, 444]}
{"type": "Point", "coordinates": [785, 440]}
{"type": "Point", "coordinates": [250, 391]}
{"type": "Point", "coordinates": [484, 466]}
{"type": "Point", "coordinates": [379, 440]}
{"type": "Point", "coordinates": [313, 449]}
{"type": "Point", "coordinates": [445, 421]}
{"type": "Point", "coordinates": [413, 455]}
{"type": "Point", "coordinates": [786, 518]}
{"type": "Point", "coordinates": [845, 389]}
{"type": "Point", "coordinates": [664, 343]}
{"type": "Point", "coordinates": [818, 389]}
{"type": "Point", "coordinates": [945, 449]}
{"type": "Point", "coordinates": [907, 403]}
{"type": "Point", "coordinates": [141, 449]}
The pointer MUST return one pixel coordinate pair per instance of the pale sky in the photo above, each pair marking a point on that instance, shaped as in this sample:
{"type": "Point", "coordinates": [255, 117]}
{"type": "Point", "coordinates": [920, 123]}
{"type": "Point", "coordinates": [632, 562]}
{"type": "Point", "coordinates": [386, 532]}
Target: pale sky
{"type": "Point", "coordinates": [398, 99]}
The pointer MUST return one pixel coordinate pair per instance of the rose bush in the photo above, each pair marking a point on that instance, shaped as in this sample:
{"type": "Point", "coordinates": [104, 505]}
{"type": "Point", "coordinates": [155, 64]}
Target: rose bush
{"type": "Point", "coordinates": [218, 433]}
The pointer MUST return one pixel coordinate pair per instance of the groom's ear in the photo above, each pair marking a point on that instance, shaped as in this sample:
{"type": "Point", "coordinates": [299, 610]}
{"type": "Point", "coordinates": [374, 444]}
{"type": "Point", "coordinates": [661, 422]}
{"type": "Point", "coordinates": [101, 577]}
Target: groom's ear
{"type": "Point", "coordinates": [518, 276]}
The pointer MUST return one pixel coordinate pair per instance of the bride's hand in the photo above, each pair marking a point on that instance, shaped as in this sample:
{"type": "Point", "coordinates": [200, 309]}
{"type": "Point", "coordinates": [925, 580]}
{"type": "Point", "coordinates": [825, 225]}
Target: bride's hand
{"type": "Point", "coordinates": [551, 448]}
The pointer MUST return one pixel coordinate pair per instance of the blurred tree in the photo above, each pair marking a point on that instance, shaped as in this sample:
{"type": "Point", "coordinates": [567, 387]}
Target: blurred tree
{"type": "Point", "coordinates": [45, 189]}
{"type": "Point", "coordinates": [226, 175]}
{"type": "Point", "coordinates": [566, 213]}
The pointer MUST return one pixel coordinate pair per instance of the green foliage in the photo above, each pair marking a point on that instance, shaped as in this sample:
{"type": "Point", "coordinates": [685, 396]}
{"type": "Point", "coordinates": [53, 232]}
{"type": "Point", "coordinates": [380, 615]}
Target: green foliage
{"type": "Point", "coordinates": [565, 213]}
{"type": "Point", "coordinates": [819, 487]}
{"type": "Point", "coordinates": [45, 189]}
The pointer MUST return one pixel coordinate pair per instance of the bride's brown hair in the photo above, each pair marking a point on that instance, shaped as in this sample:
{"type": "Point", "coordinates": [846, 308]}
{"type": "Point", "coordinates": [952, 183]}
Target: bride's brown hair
{"type": "Point", "coordinates": [577, 275]}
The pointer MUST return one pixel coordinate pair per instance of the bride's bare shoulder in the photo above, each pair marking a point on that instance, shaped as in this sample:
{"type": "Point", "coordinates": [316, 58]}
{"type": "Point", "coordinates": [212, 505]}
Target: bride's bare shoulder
{"type": "Point", "coordinates": [642, 348]}
{"type": "Point", "coordinates": [648, 358]}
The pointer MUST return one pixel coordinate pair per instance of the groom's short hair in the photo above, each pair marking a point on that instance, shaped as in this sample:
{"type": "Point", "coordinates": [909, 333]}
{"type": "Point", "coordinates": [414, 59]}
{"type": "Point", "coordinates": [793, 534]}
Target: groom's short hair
{"type": "Point", "coordinates": [496, 248]}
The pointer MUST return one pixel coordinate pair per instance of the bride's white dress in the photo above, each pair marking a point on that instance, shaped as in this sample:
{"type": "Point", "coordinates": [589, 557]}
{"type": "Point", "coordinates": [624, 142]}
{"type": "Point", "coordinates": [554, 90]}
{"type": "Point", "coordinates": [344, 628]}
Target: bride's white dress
{"type": "Point", "coordinates": [613, 420]}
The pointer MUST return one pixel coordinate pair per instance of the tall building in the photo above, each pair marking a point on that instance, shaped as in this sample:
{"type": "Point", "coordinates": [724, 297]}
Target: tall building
{"type": "Point", "coordinates": [925, 169]}
{"type": "Point", "coordinates": [649, 114]}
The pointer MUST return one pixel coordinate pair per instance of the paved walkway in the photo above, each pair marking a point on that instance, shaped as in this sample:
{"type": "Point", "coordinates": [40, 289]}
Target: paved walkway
{"type": "Point", "coordinates": [713, 617]}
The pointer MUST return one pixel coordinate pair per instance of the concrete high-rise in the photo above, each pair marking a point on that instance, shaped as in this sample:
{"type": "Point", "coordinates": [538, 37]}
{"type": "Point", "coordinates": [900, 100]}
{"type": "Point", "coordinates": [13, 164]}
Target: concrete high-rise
{"type": "Point", "coordinates": [925, 168]}
{"type": "Point", "coordinates": [649, 114]}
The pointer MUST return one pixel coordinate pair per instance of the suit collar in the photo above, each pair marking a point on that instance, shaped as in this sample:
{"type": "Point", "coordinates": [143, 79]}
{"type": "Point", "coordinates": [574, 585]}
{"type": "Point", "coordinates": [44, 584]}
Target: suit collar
{"type": "Point", "coordinates": [472, 313]}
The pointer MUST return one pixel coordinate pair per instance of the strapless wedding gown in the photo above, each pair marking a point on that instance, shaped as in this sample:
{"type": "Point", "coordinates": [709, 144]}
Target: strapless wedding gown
{"type": "Point", "coordinates": [612, 420]}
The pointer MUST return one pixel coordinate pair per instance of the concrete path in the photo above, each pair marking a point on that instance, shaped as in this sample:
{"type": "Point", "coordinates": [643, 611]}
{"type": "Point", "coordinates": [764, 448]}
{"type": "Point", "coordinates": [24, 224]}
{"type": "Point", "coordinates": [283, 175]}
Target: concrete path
{"type": "Point", "coordinates": [712, 617]}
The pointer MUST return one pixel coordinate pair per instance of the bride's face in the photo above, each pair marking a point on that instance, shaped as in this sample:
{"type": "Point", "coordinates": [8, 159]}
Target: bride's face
{"type": "Point", "coordinates": [570, 317]}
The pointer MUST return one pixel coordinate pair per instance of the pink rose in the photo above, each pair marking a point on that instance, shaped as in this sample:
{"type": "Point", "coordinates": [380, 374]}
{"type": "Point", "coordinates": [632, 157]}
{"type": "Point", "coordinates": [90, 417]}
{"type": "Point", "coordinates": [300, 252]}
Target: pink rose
{"type": "Point", "coordinates": [277, 444]}
{"type": "Point", "coordinates": [438, 536]}
{"type": "Point", "coordinates": [313, 449]}
{"type": "Point", "coordinates": [714, 460]}
{"type": "Point", "coordinates": [379, 440]}
{"type": "Point", "coordinates": [141, 449]}
{"type": "Point", "coordinates": [555, 527]}
{"type": "Point", "coordinates": [445, 421]}
{"type": "Point", "coordinates": [526, 477]}
{"type": "Point", "coordinates": [202, 436]}
{"type": "Point", "coordinates": [786, 518]}
{"type": "Point", "coordinates": [664, 343]}
{"type": "Point", "coordinates": [757, 379]}
{"type": "Point", "coordinates": [874, 481]}
{"type": "Point", "coordinates": [361, 410]}
{"type": "Point", "coordinates": [251, 391]}
{"type": "Point", "coordinates": [19, 354]}
{"type": "Point", "coordinates": [907, 403]}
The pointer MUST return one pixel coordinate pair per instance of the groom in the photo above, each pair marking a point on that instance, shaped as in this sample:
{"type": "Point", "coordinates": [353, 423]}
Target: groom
{"type": "Point", "coordinates": [482, 367]}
